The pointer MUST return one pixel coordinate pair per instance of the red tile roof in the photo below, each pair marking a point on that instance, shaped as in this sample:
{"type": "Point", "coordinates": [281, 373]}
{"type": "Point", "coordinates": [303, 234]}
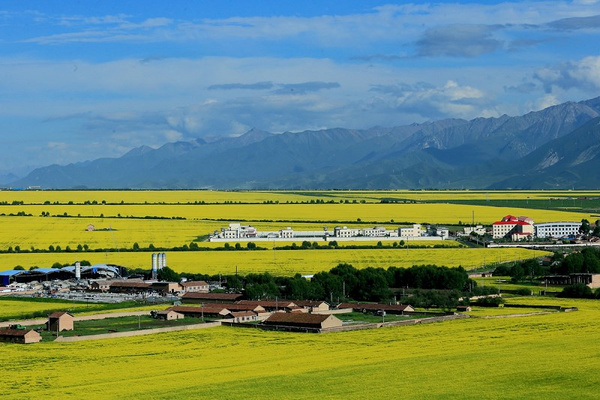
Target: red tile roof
{"type": "Point", "coordinates": [511, 223]}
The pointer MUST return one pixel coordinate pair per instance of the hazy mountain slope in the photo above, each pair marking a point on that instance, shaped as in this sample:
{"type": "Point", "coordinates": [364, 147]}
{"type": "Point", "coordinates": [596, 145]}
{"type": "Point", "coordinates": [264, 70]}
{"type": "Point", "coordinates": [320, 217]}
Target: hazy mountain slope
{"type": "Point", "coordinates": [572, 161]}
{"type": "Point", "coordinates": [447, 153]}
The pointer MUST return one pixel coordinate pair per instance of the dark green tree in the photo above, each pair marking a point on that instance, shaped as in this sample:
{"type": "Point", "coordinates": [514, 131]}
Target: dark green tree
{"type": "Point", "coordinates": [167, 274]}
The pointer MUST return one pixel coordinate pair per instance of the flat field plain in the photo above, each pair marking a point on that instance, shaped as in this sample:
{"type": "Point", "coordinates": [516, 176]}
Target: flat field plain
{"type": "Point", "coordinates": [552, 356]}
{"type": "Point", "coordinates": [176, 218]}
{"type": "Point", "coordinates": [279, 262]}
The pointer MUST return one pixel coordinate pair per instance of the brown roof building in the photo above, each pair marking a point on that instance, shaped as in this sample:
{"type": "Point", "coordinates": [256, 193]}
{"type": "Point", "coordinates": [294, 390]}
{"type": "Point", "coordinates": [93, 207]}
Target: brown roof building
{"type": "Point", "coordinates": [271, 305]}
{"type": "Point", "coordinates": [302, 320]}
{"type": "Point", "coordinates": [211, 297]}
{"type": "Point", "coordinates": [241, 307]}
{"type": "Point", "coordinates": [243, 316]}
{"type": "Point", "coordinates": [102, 286]}
{"type": "Point", "coordinates": [166, 287]}
{"type": "Point", "coordinates": [211, 311]}
{"type": "Point", "coordinates": [24, 336]}
{"type": "Point", "coordinates": [169, 315]}
{"type": "Point", "coordinates": [60, 321]}
{"type": "Point", "coordinates": [313, 305]}
{"type": "Point", "coordinates": [388, 308]}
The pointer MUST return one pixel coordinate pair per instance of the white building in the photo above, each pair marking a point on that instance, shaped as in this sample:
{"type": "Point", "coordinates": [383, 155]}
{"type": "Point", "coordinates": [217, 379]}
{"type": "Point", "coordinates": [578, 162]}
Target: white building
{"type": "Point", "coordinates": [287, 233]}
{"type": "Point", "coordinates": [237, 231]}
{"type": "Point", "coordinates": [442, 231]}
{"type": "Point", "coordinates": [414, 231]}
{"type": "Point", "coordinates": [346, 232]}
{"type": "Point", "coordinates": [479, 229]}
{"type": "Point", "coordinates": [557, 229]}
{"type": "Point", "coordinates": [378, 231]}
{"type": "Point", "coordinates": [510, 226]}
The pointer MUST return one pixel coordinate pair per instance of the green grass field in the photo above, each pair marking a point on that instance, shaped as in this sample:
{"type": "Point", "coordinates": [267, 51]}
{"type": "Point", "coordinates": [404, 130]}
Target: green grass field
{"type": "Point", "coordinates": [552, 356]}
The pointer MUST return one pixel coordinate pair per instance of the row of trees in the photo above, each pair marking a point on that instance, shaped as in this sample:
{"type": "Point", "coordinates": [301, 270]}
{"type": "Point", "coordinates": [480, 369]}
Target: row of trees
{"type": "Point", "coordinates": [427, 285]}
{"type": "Point", "coordinates": [586, 261]}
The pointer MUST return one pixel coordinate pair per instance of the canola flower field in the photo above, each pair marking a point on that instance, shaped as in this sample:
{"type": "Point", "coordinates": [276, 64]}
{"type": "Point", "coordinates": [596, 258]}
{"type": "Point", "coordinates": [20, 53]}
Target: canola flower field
{"type": "Point", "coordinates": [282, 262]}
{"type": "Point", "coordinates": [212, 196]}
{"type": "Point", "coordinates": [396, 213]}
{"type": "Point", "coordinates": [11, 308]}
{"type": "Point", "coordinates": [200, 221]}
{"type": "Point", "coordinates": [553, 356]}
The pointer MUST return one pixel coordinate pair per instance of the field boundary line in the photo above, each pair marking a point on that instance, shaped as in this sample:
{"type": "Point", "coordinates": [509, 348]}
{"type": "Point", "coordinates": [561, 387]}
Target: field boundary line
{"type": "Point", "coordinates": [137, 333]}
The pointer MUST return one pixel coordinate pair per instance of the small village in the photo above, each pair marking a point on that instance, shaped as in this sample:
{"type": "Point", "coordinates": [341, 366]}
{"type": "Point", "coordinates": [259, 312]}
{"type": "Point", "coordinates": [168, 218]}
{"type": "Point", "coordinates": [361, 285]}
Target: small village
{"type": "Point", "coordinates": [192, 304]}
{"type": "Point", "coordinates": [199, 308]}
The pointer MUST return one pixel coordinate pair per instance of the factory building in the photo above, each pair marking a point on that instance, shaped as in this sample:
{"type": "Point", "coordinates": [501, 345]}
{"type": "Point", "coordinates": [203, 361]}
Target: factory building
{"type": "Point", "coordinates": [557, 229]}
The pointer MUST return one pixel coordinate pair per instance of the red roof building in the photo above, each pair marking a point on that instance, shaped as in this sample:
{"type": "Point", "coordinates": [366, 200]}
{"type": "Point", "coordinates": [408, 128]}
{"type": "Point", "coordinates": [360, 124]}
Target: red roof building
{"type": "Point", "coordinates": [513, 228]}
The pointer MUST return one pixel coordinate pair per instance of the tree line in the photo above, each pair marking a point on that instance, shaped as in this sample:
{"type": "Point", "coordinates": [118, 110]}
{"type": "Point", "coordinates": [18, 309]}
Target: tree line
{"type": "Point", "coordinates": [421, 286]}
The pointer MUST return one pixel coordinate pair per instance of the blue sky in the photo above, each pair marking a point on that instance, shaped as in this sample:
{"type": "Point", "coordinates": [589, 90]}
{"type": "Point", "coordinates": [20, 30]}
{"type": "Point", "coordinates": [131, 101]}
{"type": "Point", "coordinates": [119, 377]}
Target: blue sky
{"type": "Point", "coordinates": [89, 79]}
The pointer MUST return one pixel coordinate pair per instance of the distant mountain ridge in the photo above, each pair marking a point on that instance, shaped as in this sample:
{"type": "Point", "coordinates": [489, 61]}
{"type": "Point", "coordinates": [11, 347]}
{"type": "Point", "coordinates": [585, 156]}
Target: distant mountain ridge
{"type": "Point", "coordinates": [553, 148]}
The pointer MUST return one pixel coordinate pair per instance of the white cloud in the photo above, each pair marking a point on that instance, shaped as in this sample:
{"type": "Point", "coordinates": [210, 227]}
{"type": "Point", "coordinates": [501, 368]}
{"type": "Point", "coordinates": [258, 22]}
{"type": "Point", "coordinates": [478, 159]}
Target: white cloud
{"type": "Point", "coordinates": [546, 101]}
{"type": "Point", "coordinates": [392, 23]}
{"type": "Point", "coordinates": [583, 75]}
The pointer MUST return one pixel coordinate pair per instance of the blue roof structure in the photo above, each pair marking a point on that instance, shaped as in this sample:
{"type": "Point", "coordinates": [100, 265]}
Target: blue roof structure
{"type": "Point", "coordinates": [12, 272]}
{"type": "Point", "coordinates": [115, 269]}
{"type": "Point", "coordinates": [44, 270]}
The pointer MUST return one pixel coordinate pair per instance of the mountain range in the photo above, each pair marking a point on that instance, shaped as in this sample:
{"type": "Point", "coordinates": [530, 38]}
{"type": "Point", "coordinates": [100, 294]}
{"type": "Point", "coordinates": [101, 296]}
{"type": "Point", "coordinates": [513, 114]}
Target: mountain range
{"type": "Point", "coordinates": [555, 148]}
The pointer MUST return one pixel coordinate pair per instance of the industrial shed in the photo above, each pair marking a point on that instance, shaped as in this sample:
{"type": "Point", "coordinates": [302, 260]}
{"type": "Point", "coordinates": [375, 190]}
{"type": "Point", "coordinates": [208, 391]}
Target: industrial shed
{"type": "Point", "coordinates": [48, 274]}
{"type": "Point", "coordinates": [303, 321]}
{"type": "Point", "coordinates": [6, 277]}
{"type": "Point", "coordinates": [24, 336]}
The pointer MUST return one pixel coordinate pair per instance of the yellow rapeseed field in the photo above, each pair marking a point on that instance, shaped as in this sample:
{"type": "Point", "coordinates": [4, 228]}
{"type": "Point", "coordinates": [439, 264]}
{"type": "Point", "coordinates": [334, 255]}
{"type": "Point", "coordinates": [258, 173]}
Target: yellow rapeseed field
{"type": "Point", "coordinates": [547, 357]}
{"type": "Point", "coordinates": [41, 232]}
{"type": "Point", "coordinates": [212, 196]}
{"type": "Point", "coordinates": [281, 262]}
{"type": "Point", "coordinates": [16, 309]}
{"type": "Point", "coordinates": [327, 213]}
